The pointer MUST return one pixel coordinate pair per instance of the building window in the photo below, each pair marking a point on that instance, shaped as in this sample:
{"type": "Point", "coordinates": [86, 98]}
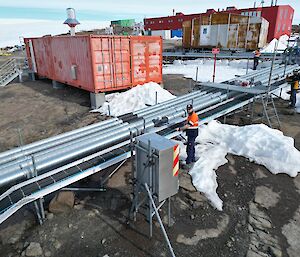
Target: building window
{"type": "Point", "coordinates": [254, 14]}
{"type": "Point", "coordinates": [278, 27]}
{"type": "Point", "coordinates": [286, 14]}
{"type": "Point", "coordinates": [283, 27]}
{"type": "Point", "coordinates": [258, 14]}
{"type": "Point", "coordinates": [250, 13]}
{"type": "Point", "coordinates": [246, 13]}
{"type": "Point", "coordinates": [291, 18]}
{"type": "Point", "coordinates": [204, 31]}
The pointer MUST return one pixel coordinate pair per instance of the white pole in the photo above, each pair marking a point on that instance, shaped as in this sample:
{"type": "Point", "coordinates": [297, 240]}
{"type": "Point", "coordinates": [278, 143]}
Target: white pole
{"type": "Point", "coordinates": [72, 31]}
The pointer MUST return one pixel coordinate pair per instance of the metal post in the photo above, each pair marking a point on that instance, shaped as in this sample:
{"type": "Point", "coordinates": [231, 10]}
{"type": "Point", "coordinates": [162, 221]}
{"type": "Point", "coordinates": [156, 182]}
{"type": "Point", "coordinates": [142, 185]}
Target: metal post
{"type": "Point", "coordinates": [108, 110]}
{"type": "Point", "coordinates": [272, 66]}
{"type": "Point", "coordinates": [197, 74]}
{"type": "Point", "coordinates": [248, 65]}
{"type": "Point", "coordinates": [151, 188]}
{"type": "Point", "coordinates": [169, 211]}
{"type": "Point", "coordinates": [214, 74]}
{"type": "Point", "coordinates": [144, 126]}
{"type": "Point", "coordinates": [156, 101]}
{"type": "Point", "coordinates": [41, 201]}
{"type": "Point", "coordinates": [285, 64]}
{"type": "Point", "coordinates": [160, 221]}
{"type": "Point", "coordinates": [38, 204]}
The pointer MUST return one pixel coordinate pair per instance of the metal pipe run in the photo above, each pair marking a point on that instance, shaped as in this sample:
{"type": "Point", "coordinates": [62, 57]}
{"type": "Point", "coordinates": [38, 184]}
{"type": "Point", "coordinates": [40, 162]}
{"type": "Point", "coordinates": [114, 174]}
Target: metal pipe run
{"type": "Point", "coordinates": [17, 164]}
{"type": "Point", "coordinates": [60, 155]}
{"type": "Point", "coordinates": [55, 140]}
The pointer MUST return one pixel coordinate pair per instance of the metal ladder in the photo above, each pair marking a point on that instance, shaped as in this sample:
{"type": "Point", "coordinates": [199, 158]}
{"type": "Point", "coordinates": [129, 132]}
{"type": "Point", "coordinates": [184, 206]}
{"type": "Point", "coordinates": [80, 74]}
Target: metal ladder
{"type": "Point", "coordinates": [269, 113]}
{"type": "Point", "coordinates": [8, 72]}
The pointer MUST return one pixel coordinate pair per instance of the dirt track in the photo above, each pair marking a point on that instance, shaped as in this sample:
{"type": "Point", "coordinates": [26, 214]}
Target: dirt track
{"type": "Point", "coordinates": [261, 214]}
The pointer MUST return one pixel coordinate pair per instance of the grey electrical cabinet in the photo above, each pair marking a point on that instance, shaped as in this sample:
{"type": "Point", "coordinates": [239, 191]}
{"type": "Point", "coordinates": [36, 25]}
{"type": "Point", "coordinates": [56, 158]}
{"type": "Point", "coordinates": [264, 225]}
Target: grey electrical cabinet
{"type": "Point", "coordinates": [160, 171]}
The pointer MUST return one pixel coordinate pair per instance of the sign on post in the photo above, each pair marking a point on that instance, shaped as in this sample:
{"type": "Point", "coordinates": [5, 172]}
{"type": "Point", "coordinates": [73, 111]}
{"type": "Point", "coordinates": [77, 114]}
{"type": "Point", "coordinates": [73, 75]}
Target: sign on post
{"type": "Point", "coordinates": [215, 51]}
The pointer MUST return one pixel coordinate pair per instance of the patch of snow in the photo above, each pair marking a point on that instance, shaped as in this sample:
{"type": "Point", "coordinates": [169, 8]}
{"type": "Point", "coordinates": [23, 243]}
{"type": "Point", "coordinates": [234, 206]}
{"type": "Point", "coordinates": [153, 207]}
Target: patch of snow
{"type": "Point", "coordinates": [225, 69]}
{"type": "Point", "coordinates": [134, 99]}
{"type": "Point", "coordinates": [282, 45]}
{"type": "Point", "coordinates": [176, 38]}
{"type": "Point", "coordinates": [258, 143]}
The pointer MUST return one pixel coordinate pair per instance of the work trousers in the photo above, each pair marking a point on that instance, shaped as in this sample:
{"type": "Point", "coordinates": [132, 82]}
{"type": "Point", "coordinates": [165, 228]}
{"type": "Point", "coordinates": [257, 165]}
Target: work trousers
{"type": "Point", "coordinates": [293, 97]}
{"type": "Point", "coordinates": [190, 149]}
{"type": "Point", "coordinates": [256, 61]}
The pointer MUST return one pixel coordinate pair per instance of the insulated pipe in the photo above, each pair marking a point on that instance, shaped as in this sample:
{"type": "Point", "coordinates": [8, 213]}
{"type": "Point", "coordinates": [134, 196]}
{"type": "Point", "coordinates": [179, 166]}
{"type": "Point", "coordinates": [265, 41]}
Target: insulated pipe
{"type": "Point", "coordinates": [52, 152]}
{"type": "Point", "coordinates": [170, 102]}
{"type": "Point", "coordinates": [23, 170]}
{"type": "Point", "coordinates": [118, 129]}
{"type": "Point", "coordinates": [89, 129]}
{"type": "Point", "coordinates": [254, 74]}
{"type": "Point", "coordinates": [161, 109]}
{"type": "Point", "coordinates": [74, 142]}
{"type": "Point", "coordinates": [43, 162]}
{"type": "Point", "coordinates": [163, 113]}
{"type": "Point", "coordinates": [57, 138]}
{"type": "Point", "coordinates": [279, 70]}
{"type": "Point", "coordinates": [68, 154]}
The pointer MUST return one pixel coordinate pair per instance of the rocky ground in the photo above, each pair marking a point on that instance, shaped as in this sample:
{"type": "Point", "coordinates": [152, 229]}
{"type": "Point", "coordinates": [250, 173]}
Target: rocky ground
{"type": "Point", "coordinates": [261, 215]}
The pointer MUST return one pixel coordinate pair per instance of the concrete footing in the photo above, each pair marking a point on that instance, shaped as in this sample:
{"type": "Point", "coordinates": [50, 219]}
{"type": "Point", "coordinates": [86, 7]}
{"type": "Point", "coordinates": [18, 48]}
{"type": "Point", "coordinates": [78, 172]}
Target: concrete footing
{"type": "Point", "coordinates": [97, 100]}
{"type": "Point", "coordinates": [57, 85]}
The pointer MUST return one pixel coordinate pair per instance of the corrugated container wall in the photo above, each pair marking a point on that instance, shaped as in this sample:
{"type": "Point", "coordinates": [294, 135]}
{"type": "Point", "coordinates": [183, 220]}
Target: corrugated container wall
{"type": "Point", "coordinates": [226, 31]}
{"type": "Point", "coordinates": [97, 63]}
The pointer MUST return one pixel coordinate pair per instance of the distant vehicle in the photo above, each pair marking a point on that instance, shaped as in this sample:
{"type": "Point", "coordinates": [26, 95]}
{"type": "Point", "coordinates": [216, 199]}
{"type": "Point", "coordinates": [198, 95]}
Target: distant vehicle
{"type": "Point", "coordinates": [12, 50]}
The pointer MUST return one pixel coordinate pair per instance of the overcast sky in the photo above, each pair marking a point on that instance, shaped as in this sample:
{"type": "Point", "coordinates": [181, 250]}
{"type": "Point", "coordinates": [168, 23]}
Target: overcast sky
{"type": "Point", "coordinates": [113, 9]}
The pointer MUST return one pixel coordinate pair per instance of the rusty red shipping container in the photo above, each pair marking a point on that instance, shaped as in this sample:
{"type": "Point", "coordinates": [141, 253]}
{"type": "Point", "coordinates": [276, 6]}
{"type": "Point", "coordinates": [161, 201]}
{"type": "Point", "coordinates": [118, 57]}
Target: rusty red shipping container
{"type": "Point", "coordinates": [97, 63]}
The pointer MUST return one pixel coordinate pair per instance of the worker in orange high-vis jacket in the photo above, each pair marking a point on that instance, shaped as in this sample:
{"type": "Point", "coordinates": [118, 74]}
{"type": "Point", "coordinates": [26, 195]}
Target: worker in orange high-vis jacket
{"type": "Point", "coordinates": [191, 128]}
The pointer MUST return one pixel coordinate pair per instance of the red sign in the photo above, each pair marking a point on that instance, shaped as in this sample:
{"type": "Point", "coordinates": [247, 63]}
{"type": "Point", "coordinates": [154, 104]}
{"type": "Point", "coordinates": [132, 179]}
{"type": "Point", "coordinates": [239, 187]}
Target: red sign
{"type": "Point", "coordinates": [216, 50]}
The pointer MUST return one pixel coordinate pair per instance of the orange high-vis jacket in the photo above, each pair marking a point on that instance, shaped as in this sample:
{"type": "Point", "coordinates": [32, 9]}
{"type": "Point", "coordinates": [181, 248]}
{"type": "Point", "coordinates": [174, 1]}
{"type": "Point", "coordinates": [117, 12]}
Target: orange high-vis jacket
{"type": "Point", "coordinates": [257, 53]}
{"type": "Point", "coordinates": [193, 120]}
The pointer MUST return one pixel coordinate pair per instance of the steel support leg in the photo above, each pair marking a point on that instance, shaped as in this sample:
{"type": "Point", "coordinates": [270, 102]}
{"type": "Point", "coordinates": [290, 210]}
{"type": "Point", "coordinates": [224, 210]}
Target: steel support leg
{"type": "Point", "coordinates": [159, 220]}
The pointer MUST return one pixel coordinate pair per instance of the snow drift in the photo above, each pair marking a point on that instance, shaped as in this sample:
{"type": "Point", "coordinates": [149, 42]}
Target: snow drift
{"type": "Point", "coordinates": [258, 143]}
{"type": "Point", "coordinates": [225, 69]}
{"type": "Point", "coordinates": [134, 99]}
{"type": "Point", "coordinates": [282, 45]}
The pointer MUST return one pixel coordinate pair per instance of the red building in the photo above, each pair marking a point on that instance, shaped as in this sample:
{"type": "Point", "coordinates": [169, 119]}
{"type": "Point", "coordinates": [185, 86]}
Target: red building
{"type": "Point", "coordinates": [280, 18]}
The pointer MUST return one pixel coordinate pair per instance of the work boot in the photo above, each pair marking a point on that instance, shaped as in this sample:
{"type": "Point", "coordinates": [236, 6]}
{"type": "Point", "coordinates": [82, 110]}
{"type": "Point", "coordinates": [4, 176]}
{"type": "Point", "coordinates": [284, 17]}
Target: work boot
{"type": "Point", "coordinates": [195, 160]}
{"type": "Point", "coordinates": [187, 166]}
